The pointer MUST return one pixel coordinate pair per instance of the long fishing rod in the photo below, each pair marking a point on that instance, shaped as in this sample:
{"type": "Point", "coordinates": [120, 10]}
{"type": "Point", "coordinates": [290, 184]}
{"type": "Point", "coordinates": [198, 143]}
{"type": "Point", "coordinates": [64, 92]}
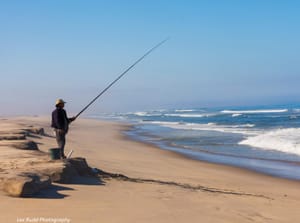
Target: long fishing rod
{"type": "Point", "coordinates": [119, 77]}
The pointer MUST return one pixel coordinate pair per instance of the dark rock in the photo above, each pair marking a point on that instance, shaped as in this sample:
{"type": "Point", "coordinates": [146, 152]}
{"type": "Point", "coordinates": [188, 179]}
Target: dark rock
{"type": "Point", "coordinates": [26, 145]}
{"type": "Point", "coordinates": [25, 185]}
{"type": "Point", "coordinates": [20, 144]}
{"type": "Point", "coordinates": [12, 137]}
{"type": "Point", "coordinates": [81, 166]}
{"type": "Point", "coordinates": [38, 131]}
{"type": "Point", "coordinates": [63, 174]}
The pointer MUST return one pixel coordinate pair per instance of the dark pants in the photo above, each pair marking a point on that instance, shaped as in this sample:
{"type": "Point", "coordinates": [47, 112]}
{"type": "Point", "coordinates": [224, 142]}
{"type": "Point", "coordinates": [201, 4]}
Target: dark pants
{"type": "Point", "coordinates": [61, 141]}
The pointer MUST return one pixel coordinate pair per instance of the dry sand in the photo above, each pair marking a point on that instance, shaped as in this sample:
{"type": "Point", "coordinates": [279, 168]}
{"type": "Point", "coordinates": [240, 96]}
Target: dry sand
{"type": "Point", "coordinates": [175, 188]}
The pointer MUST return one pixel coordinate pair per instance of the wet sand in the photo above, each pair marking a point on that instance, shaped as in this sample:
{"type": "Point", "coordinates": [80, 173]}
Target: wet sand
{"type": "Point", "coordinates": [171, 188]}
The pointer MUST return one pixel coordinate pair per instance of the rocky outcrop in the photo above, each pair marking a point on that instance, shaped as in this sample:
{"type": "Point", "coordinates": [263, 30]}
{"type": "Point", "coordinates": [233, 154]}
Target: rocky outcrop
{"type": "Point", "coordinates": [25, 185]}
{"type": "Point", "coordinates": [81, 167]}
{"type": "Point", "coordinates": [63, 173]}
{"type": "Point", "coordinates": [25, 170]}
{"type": "Point", "coordinates": [10, 136]}
{"type": "Point", "coordinates": [60, 171]}
{"type": "Point", "coordinates": [33, 130]}
{"type": "Point", "coordinates": [20, 144]}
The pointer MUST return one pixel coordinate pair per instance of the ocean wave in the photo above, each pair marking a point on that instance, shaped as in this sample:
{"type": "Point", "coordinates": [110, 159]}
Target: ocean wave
{"type": "Point", "coordinates": [236, 115]}
{"type": "Point", "coordinates": [162, 123]}
{"type": "Point", "coordinates": [293, 117]}
{"type": "Point", "coordinates": [244, 126]}
{"type": "Point", "coordinates": [254, 111]}
{"type": "Point", "coordinates": [140, 113]}
{"type": "Point", "coordinates": [187, 115]}
{"type": "Point", "coordinates": [245, 129]}
{"type": "Point", "coordinates": [145, 114]}
{"type": "Point", "coordinates": [185, 110]}
{"type": "Point", "coordinates": [284, 140]}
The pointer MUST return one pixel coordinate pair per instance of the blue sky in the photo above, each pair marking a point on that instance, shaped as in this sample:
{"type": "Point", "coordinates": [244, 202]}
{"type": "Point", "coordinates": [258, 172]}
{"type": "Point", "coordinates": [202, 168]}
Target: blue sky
{"type": "Point", "coordinates": [220, 53]}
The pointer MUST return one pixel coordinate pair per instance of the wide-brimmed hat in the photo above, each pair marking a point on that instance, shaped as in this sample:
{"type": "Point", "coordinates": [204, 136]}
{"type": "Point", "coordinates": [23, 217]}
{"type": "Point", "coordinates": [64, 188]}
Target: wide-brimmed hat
{"type": "Point", "coordinates": [60, 101]}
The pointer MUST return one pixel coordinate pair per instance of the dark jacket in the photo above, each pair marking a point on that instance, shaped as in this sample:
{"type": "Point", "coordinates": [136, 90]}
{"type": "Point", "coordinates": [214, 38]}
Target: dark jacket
{"type": "Point", "coordinates": [60, 119]}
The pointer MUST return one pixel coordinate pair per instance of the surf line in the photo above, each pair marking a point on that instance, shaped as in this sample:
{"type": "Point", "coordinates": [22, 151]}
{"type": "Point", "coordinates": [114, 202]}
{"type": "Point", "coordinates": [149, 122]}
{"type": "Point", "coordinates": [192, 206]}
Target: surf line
{"type": "Point", "coordinates": [121, 75]}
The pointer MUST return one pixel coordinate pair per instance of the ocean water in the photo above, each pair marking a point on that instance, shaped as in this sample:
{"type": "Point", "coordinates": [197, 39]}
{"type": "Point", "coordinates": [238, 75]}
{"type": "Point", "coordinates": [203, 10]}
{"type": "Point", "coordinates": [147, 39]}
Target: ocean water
{"type": "Point", "coordinates": [263, 139]}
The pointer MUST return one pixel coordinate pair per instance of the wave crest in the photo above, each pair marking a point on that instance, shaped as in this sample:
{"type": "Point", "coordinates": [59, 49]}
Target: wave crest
{"type": "Point", "coordinates": [254, 111]}
{"type": "Point", "coordinates": [284, 140]}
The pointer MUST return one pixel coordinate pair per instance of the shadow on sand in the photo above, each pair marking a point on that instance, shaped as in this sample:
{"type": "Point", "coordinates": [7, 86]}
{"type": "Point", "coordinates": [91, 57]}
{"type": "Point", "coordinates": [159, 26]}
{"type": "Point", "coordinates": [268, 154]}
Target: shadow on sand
{"type": "Point", "coordinates": [54, 191]}
{"type": "Point", "coordinates": [87, 180]}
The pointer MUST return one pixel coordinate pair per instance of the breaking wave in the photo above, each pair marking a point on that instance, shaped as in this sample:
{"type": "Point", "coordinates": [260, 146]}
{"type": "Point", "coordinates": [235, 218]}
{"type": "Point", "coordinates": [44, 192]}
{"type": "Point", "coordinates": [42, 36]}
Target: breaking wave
{"type": "Point", "coordinates": [189, 115]}
{"type": "Point", "coordinates": [184, 110]}
{"type": "Point", "coordinates": [245, 129]}
{"type": "Point", "coordinates": [146, 114]}
{"type": "Point", "coordinates": [254, 111]}
{"type": "Point", "coordinates": [284, 140]}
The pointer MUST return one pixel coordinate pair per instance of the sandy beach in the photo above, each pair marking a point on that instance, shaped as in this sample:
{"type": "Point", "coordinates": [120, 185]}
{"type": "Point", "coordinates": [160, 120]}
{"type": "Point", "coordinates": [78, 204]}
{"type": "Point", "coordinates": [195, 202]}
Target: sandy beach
{"type": "Point", "coordinates": [172, 188]}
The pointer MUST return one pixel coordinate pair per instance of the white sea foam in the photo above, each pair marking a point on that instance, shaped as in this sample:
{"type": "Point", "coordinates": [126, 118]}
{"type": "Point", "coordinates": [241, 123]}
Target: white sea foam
{"type": "Point", "coordinates": [244, 129]}
{"type": "Point", "coordinates": [236, 115]}
{"type": "Point", "coordinates": [284, 140]}
{"type": "Point", "coordinates": [167, 124]}
{"type": "Point", "coordinates": [184, 110]}
{"type": "Point", "coordinates": [293, 117]}
{"type": "Point", "coordinates": [186, 115]}
{"type": "Point", "coordinates": [146, 114]}
{"type": "Point", "coordinates": [209, 124]}
{"type": "Point", "coordinates": [254, 111]}
{"type": "Point", "coordinates": [140, 113]}
{"type": "Point", "coordinates": [190, 115]}
{"type": "Point", "coordinates": [243, 126]}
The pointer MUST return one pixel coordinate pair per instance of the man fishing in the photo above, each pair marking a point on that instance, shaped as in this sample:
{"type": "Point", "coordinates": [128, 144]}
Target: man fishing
{"type": "Point", "coordinates": [60, 123]}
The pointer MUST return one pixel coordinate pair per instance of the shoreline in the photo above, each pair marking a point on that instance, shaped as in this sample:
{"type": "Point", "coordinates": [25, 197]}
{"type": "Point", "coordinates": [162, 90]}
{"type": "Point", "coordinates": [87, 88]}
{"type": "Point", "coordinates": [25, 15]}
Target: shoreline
{"type": "Point", "coordinates": [126, 126]}
{"type": "Point", "coordinates": [174, 188]}
{"type": "Point", "coordinates": [213, 157]}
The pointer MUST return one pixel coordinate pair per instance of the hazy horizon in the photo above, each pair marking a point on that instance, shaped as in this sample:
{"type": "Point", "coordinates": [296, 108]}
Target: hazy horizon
{"type": "Point", "coordinates": [221, 53]}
